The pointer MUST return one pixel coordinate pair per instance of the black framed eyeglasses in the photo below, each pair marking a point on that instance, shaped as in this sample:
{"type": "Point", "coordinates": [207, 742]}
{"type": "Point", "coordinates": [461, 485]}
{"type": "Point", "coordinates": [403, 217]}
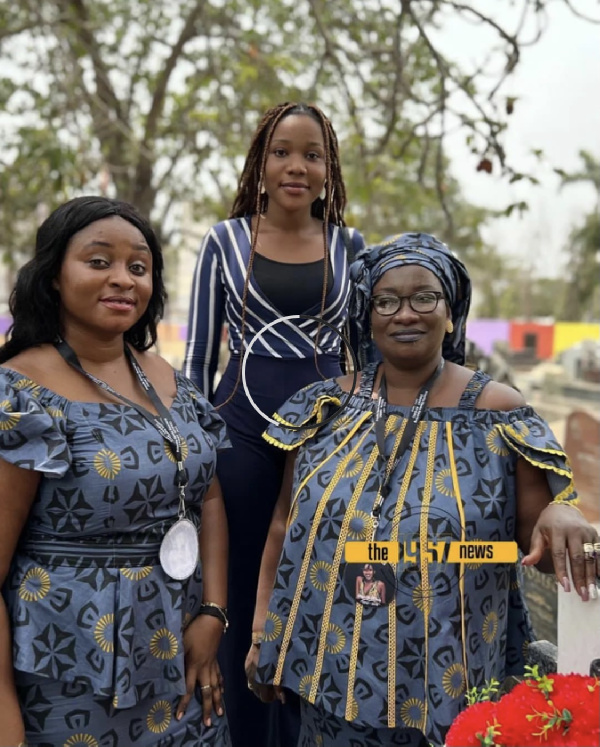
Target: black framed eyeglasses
{"type": "Point", "coordinates": [421, 302]}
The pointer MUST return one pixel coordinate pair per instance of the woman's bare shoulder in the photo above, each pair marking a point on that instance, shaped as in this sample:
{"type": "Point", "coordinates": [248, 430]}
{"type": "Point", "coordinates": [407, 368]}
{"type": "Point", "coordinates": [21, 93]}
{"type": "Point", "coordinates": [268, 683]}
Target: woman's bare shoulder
{"type": "Point", "coordinates": [37, 363]}
{"type": "Point", "coordinates": [496, 396]}
{"type": "Point", "coordinates": [155, 364]}
{"type": "Point", "coordinates": [345, 382]}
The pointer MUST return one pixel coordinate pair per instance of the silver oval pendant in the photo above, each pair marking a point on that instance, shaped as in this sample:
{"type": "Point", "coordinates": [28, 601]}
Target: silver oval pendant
{"type": "Point", "coordinates": [179, 550]}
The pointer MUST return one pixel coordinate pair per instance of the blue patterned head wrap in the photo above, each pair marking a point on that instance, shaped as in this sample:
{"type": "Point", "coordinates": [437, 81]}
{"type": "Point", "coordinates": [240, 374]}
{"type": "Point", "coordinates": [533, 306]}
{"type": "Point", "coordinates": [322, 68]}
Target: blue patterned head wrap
{"type": "Point", "coordinates": [412, 249]}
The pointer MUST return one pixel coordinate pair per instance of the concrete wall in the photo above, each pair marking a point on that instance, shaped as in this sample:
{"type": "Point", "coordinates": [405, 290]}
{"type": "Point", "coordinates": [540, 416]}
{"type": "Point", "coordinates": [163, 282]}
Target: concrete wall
{"type": "Point", "coordinates": [567, 334]}
{"type": "Point", "coordinates": [544, 334]}
{"type": "Point", "coordinates": [486, 332]}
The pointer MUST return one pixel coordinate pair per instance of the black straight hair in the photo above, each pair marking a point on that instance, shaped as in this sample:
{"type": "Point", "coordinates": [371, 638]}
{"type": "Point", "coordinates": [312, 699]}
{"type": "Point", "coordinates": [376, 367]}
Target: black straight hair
{"type": "Point", "coordinates": [34, 301]}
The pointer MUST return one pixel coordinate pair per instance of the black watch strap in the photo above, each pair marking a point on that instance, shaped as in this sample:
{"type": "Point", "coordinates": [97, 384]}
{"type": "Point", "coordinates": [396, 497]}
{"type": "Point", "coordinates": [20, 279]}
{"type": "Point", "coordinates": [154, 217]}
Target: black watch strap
{"type": "Point", "coordinates": [214, 610]}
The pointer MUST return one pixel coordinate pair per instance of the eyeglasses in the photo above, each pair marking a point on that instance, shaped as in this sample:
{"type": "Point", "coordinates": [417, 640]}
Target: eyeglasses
{"type": "Point", "coordinates": [422, 302]}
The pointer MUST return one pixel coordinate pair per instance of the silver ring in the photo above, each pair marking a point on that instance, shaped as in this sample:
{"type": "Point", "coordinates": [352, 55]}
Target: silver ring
{"type": "Point", "coordinates": [597, 548]}
{"type": "Point", "coordinates": [206, 687]}
{"type": "Point", "coordinates": [588, 551]}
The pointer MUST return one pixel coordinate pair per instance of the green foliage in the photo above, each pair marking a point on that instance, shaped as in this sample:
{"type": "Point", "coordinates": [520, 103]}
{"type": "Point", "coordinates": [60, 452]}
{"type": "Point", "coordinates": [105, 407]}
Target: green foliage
{"type": "Point", "coordinates": [508, 291]}
{"type": "Point", "coordinates": [539, 681]}
{"type": "Point", "coordinates": [488, 738]}
{"type": "Point", "coordinates": [156, 101]}
{"type": "Point", "coordinates": [487, 692]}
{"type": "Point", "coordinates": [581, 295]}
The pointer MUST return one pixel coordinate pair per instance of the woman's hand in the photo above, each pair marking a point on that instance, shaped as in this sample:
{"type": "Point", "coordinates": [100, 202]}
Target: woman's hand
{"type": "Point", "coordinates": [200, 642]}
{"type": "Point", "coordinates": [564, 531]}
{"type": "Point", "coordinates": [266, 693]}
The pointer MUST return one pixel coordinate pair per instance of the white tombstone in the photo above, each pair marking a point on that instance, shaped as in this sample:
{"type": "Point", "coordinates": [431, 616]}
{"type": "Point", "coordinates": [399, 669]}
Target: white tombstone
{"type": "Point", "coordinates": [578, 637]}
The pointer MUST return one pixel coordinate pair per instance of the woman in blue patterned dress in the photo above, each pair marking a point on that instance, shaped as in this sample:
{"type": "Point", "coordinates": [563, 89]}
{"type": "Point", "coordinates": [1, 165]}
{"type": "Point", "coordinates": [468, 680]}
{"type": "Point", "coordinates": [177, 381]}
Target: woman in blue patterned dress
{"type": "Point", "coordinates": [477, 464]}
{"type": "Point", "coordinates": [100, 645]}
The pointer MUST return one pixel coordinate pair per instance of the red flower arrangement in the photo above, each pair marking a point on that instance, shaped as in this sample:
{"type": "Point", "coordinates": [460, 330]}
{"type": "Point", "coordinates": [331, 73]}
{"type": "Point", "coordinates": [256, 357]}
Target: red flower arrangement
{"type": "Point", "coordinates": [555, 710]}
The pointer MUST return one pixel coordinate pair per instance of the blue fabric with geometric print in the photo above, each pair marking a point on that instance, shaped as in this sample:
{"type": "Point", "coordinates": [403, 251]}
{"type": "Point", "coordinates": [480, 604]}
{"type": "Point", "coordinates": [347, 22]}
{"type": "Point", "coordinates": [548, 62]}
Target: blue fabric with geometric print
{"type": "Point", "coordinates": [90, 606]}
{"type": "Point", "coordinates": [450, 626]}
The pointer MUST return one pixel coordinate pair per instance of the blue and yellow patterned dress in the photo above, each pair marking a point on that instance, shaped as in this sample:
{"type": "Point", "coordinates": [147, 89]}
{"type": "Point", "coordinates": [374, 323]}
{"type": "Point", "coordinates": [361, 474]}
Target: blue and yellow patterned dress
{"type": "Point", "coordinates": [379, 670]}
{"type": "Point", "coordinates": [97, 625]}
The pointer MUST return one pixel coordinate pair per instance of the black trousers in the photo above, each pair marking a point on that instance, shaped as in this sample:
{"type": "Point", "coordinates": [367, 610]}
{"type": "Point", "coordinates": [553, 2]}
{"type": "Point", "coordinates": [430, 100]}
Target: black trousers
{"type": "Point", "coordinates": [250, 474]}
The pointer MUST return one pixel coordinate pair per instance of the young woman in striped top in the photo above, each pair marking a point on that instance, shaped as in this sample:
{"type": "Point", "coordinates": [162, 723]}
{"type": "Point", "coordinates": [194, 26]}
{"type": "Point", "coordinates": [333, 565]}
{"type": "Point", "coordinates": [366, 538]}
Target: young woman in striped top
{"type": "Point", "coordinates": [283, 252]}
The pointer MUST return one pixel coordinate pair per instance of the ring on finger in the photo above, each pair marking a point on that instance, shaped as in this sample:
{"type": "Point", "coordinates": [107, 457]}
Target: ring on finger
{"type": "Point", "coordinates": [206, 687]}
{"type": "Point", "coordinates": [589, 551]}
{"type": "Point", "coordinates": [597, 548]}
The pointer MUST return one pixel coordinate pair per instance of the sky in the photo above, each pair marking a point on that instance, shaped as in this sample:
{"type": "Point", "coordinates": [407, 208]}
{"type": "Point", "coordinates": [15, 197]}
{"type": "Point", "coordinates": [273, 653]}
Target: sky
{"type": "Point", "coordinates": [557, 110]}
{"type": "Point", "coordinates": [557, 87]}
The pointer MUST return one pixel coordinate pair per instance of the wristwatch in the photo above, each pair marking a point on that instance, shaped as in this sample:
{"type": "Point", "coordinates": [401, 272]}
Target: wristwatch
{"type": "Point", "coordinates": [215, 610]}
{"type": "Point", "coordinates": [258, 637]}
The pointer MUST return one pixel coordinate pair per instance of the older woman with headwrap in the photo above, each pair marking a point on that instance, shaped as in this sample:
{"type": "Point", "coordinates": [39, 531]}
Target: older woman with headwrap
{"type": "Point", "coordinates": [425, 453]}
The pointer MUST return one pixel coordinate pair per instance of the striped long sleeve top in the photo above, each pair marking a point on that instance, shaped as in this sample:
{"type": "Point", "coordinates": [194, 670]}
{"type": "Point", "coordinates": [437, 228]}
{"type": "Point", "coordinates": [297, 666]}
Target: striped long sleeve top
{"type": "Point", "coordinates": [216, 298]}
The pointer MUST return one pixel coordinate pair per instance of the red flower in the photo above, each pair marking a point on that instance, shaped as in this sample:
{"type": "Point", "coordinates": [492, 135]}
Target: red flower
{"type": "Point", "coordinates": [557, 710]}
{"type": "Point", "coordinates": [580, 695]}
{"type": "Point", "coordinates": [472, 721]}
{"type": "Point", "coordinates": [513, 709]}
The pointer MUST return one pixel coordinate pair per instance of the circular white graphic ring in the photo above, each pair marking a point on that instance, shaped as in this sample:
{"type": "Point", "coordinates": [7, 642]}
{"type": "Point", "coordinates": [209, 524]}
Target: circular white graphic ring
{"type": "Point", "coordinates": [272, 324]}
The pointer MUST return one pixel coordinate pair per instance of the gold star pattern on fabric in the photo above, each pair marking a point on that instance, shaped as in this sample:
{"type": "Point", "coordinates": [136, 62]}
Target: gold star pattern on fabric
{"type": "Point", "coordinates": [185, 450]}
{"type": "Point", "coordinates": [495, 443]}
{"type": "Point", "coordinates": [107, 464]}
{"type": "Point", "coordinates": [159, 717]}
{"type": "Point", "coordinates": [55, 412]}
{"type": "Point", "coordinates": [163, 644]}
{"type": "Point", "coordinates": [443, 482]}
{"type": "Point", "coordinates": [31, 387]}
{"type": "Point", "coordinates": [320, 574]}
{"type": "Point", "coordinates": [354, 466]}
{"type": "Point", "coordinates": [104, 624]}
{"type": "Point", "coordinates": [422, 600]}
{"type": "Point", "coordinates": [136, 574]}
{"type": "Point", "coordinates": [412, 711]}
{"type": "Point", "coordinates": [304, 686]}
{"type": "Point", "coordinates": [273, 627]}
{"type": "Point", "coordinates": [335, 639]}
{"type": "Point", "coordinates": [361, 526]}
{"type": "Point", "coordinates": [35, 585]}
{"type": "Point", "coordinates": [81, 740]}
{"type": "Point", "coordinates": [342, 422]}
{"type": "Point", "coordinates": [8, 418]}
{"type": "Point", "coordinates": [490, 627]}
{"type": "Point", "coordinates": [453, 680]}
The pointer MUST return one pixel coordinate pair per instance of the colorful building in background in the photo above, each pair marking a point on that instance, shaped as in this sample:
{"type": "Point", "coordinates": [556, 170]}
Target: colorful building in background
{"type": "Point", "coordinates": [533, 338]}
{"type": "Point", "coordinates": [485, 333]}
{"type": "Point", "coordinates": [536, 340]}
{"type": "Point", "coordinates": [567, 334]}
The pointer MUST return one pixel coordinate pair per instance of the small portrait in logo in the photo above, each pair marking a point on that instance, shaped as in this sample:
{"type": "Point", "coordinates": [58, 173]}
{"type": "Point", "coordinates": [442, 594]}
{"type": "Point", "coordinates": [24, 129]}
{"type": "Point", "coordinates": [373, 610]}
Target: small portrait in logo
{"type": "Point", "coordinates": [370, 590]}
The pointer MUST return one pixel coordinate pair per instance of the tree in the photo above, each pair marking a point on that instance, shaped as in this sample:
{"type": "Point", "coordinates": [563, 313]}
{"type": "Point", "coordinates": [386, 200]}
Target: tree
{"type": "Point", "coordinates": [159, 98]}
{"type": "Point", "coordinates": [581, 297]}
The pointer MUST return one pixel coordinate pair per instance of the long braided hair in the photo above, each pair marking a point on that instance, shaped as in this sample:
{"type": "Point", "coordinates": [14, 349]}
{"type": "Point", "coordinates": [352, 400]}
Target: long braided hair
{"type": "Point", "coordinates": [251, 199]}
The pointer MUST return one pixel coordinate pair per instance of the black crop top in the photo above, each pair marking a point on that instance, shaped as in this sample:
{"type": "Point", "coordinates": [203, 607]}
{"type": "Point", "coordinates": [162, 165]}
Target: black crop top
{"type": "Point", "coordinates": [292, 288]}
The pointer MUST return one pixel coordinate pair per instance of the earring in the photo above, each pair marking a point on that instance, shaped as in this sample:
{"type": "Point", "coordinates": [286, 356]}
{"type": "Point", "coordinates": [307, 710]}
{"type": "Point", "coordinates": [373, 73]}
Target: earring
{"type": "Point", "coordinates": [323, 194]}
{"type": "Point", "coordinates": [263, 191]}
{"type": "Point", "coordinates": [449, 327]}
